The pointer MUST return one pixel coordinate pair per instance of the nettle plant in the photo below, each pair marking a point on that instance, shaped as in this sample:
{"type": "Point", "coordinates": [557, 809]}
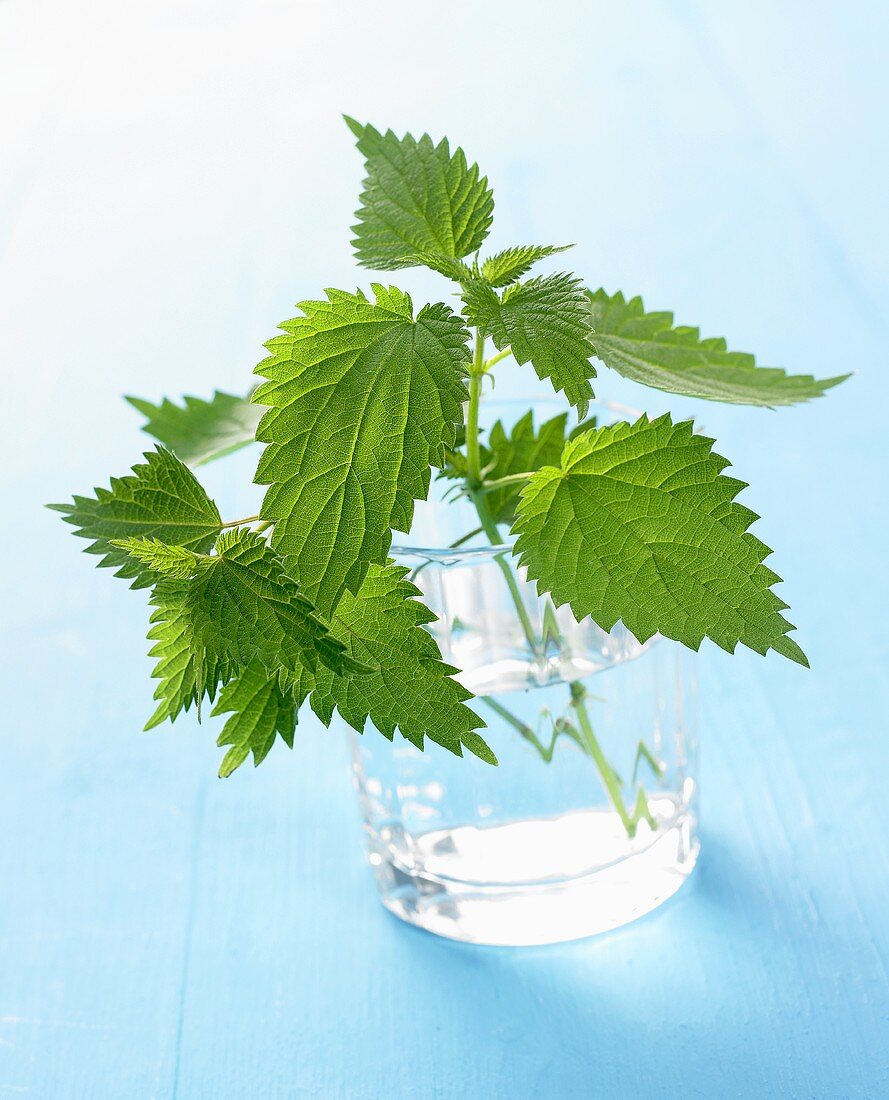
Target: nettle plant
{"type": "Point", "coordinates": [364, 399]}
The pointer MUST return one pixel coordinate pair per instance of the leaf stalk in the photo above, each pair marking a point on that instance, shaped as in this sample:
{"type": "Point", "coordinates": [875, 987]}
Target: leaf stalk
{"type": "Point", "coordinates": [501, 355]}
{"type": "Point", "coordinates": [241, 522]}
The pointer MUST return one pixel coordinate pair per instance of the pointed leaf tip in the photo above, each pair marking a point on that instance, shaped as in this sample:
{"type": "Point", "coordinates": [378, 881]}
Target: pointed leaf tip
{"type": "Point", "coordinates": [647, 347]}
{"type": "Point", "coordinates": [355, 126]}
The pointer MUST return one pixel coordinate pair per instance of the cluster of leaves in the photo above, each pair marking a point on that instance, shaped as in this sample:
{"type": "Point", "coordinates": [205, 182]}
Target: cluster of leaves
{"type": "Point", "coordinates": [228, 612]}
{"type": "Point", "coordinates": [361, 398]}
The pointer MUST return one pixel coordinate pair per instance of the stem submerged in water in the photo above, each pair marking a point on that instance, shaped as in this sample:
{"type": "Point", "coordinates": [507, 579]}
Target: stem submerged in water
{"type": "Point", "coordinates": [585, 737]}
{"type": "Point", "coordinates": [560, 728]}
{"type": "Point", "coordinates": [610, 778]}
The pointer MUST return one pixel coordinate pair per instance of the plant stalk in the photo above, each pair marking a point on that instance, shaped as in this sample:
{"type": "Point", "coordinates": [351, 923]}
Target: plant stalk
{"type": "Point", "coordinates": [510, 479]}
{"type": "Point", "coordinates": [545, 751]}
{"type": "Point", "coordinates": [609, 776]}
{"type": "Point", "coordinates": [507, 351]}
{"type": "Point", "coordinates": [465, 538]}
{"type": "Point", "coordinates": [240, 522]}
{"type": "Point", "coordinates": [586, 736]}
{"type": "Point", "coordinates": [474, 486]}
{"type": "Point", "coordinates": [473, 459]}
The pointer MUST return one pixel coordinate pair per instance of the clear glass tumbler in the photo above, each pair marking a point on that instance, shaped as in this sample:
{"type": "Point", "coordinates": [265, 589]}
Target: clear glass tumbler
{"type": "Point", "coordinates": [588, 822]}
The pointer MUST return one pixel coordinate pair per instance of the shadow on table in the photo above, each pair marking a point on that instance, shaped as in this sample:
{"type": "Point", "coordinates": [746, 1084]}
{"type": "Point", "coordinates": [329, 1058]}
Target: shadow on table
{"type": "Point", "coordinates": [711, 992]}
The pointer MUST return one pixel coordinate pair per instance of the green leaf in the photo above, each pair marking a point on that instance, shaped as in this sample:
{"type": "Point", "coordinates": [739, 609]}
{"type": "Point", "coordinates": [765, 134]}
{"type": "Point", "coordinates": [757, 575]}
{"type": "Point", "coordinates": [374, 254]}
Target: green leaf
{"type": "Point", "coordinates": [545, 321]}
{"type": "Point", "coordinates": [523, 449]}
{"type": "Point", "coordinates": [239, 604]}
{"type": "Point", "coordinates": [640, 524]}
{"type": "Point", "coordinates": [198, 431]}
{"type": "Point", "coordinates": [418, 198]}
{"type": "Point", "coordinates": [648, 348]}
{"type": "Point", "coordinates": [260, 710]}
{"type": "Point", "coordinates": [185, 671]}
{"type": "Point", "coordinates": [363, 399]}
{"type": "Point", "coordinates": [161, 499]}
{"type": "Point", "coordinates": [408, 688]}
{"type": "Point", "coordinates": [505, 267]}
{"type": "Point", "coordinates": [444, 265]}
{"type": "Point", "coordinates": [175, 562]}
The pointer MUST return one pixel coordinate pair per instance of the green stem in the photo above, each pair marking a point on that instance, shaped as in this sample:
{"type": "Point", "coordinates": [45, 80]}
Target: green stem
{"type": "Point", "coordinates": [545, 751]}
{"type": "Point", "coordinates": [241, 522]}
{"type": "Point", "coordinates": [465, 538]}
{"type": "Point", "coordinates": [609, 776]}
{"type": "Point", "coordinates": [586, 738]}
{"type": "Point", "coordinates": [490, 529]}
{"type": "Point", "coordinates": [473, 485]}
{"type": "Point", "coordinates": [643, 752]}
{"type": "Point", "coordinates": [507, 351]}
{"type": "Point", "coordinates": [473, 451]}
{"type": "Point", "coordinates": [490, 486]}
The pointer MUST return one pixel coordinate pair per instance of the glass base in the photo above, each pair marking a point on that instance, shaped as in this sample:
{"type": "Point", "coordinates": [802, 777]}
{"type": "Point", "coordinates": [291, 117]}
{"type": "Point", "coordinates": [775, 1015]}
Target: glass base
{"type": "Point", "coordinates": [535, 881]}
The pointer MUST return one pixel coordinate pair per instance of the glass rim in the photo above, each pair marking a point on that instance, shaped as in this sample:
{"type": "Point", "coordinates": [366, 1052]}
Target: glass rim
{"type": "Point", "coordinates": [451, 554]}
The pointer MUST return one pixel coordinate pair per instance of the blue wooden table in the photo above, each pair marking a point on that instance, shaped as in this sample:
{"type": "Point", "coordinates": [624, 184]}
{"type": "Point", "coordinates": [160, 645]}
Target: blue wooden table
{"type": "Point", "coordinates": [172, 178]}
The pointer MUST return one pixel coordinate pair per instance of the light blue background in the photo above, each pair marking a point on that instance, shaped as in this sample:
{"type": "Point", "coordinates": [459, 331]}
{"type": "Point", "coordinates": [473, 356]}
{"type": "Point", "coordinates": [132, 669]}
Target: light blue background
{"type": "Point", "coordinates": [173, 177]}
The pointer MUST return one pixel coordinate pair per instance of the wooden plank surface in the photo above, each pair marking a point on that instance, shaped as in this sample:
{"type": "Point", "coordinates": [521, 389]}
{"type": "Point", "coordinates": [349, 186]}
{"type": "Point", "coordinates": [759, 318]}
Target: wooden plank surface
{"type": "Point", "coordinates": [172, 178]}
